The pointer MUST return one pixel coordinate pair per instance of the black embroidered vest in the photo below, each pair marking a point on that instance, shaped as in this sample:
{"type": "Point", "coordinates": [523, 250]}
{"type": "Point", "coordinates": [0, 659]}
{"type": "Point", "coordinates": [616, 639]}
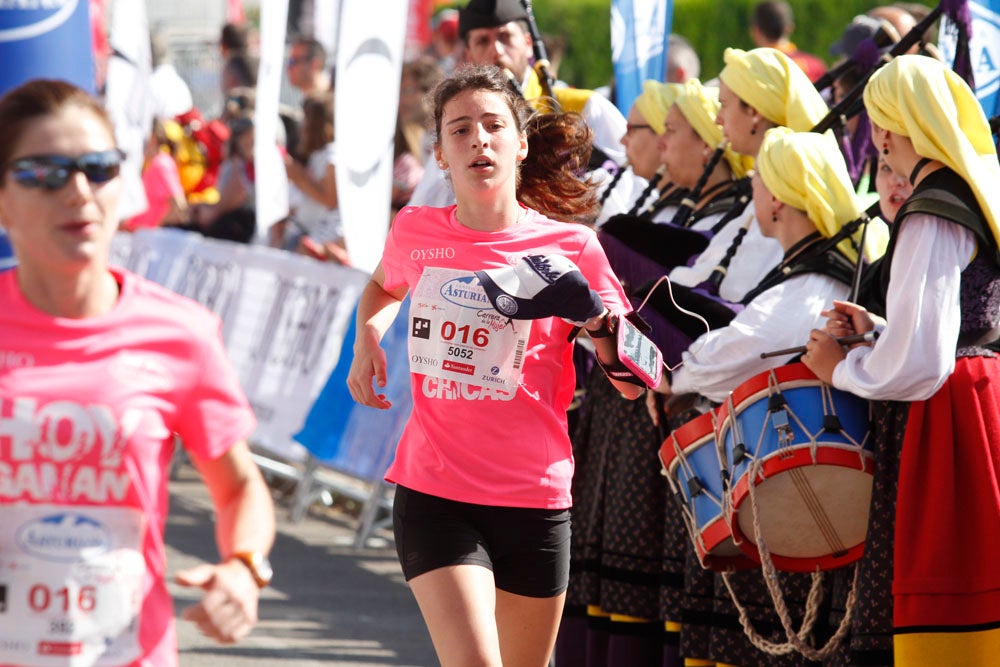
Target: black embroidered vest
{"type": "Point", "coordinates": [945, 194]}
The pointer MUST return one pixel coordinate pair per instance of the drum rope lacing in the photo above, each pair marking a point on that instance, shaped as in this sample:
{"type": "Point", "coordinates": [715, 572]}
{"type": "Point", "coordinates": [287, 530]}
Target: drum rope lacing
{"type": "Point", "coordinates": [806, 492]}
{"type": "Point", "coordinates": [797, 641]}
{"type": "Point", "coordinates": [690, 520]}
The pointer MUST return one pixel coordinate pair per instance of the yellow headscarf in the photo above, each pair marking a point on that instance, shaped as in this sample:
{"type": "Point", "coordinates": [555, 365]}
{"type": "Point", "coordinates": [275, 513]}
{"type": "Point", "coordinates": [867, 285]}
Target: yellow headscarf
{"type": "Point", "coordinates": [920, 98]}
{"type": "Point", "coordinates": [806, 171]}
{"type": "Point", "coordinates": [655, 100]}
{"type": "Point", "coordinates": [774, 85]}
{"type": "Point", "coordinates": [700, 106]}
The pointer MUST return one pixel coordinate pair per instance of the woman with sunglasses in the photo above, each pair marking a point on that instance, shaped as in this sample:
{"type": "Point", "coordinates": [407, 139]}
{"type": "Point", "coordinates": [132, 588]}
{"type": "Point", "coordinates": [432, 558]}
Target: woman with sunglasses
{"type": "Point", "coordinates": [99, 370]}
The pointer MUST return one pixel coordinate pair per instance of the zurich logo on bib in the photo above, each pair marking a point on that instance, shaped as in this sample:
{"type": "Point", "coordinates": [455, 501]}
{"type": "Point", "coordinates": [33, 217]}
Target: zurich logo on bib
{"type": "Point", "coordinates": [45, 39]}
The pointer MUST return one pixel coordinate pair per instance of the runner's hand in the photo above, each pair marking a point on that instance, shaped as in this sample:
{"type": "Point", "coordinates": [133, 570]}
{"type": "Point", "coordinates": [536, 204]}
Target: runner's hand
{"type": "Point", "coordinates": [369, 362]}
{"type": "Point", "coordinates": [228, 610]}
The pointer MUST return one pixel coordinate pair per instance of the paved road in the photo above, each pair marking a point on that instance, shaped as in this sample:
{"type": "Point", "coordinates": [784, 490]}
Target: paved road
{"type": "Point", "coordinates": [330, 604]}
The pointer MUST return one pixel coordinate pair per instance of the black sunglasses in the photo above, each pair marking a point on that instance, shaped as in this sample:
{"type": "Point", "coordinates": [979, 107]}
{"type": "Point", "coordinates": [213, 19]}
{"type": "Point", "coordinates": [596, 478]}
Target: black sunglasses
{"type": "Point", "coordinates": [51, 172]}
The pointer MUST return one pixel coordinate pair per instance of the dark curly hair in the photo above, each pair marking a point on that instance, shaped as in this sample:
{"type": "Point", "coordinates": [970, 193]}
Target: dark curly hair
{"type": "Point", "coordinates": [550, 179]}
{"type": "Point", "coordinates": [553, 178]}
{"type": "Point", "coordinates": [489, 78]}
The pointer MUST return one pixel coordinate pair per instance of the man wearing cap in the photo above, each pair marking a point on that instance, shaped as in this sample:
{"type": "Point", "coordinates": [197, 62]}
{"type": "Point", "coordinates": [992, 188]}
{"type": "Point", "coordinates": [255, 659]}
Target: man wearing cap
{"type": "Point", "coordinates": [496, 32]}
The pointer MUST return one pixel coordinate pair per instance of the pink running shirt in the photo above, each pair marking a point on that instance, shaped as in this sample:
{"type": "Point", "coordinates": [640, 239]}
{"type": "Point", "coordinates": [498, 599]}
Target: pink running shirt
{"type": "Point", "coordinates": [472, 443]}
{"type": "Point", "coordinates": [88, 412]}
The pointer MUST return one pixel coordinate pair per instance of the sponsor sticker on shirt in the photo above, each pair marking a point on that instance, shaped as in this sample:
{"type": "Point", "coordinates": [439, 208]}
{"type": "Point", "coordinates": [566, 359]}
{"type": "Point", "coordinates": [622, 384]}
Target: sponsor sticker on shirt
{"type": "Point", "coordinates": [71, 582]}
{"type": "Point", "coordinates": [456, 334]}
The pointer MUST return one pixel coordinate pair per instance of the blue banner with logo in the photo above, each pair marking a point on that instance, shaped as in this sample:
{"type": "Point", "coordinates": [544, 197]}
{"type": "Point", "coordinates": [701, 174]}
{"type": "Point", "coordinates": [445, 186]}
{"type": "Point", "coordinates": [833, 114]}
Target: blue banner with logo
{"type": "Point", "coordinates": [639, 32]}
{"type": "Point", "coordinates": [45, 39]}
{"type": "Point", "coordinates": [984, 51]}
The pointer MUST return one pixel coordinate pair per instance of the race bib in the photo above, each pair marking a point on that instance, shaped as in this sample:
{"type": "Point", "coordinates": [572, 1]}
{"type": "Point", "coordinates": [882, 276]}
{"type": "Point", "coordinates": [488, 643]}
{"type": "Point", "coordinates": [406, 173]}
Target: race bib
{"type": "Point", "coordinates": [456, 334]}
{"type": "Point", "coordinates": [71, 581]}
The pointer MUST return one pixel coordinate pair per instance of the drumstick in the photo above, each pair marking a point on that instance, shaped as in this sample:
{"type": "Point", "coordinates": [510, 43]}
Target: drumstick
{"type": "Point", "coordinates": [845, 340]}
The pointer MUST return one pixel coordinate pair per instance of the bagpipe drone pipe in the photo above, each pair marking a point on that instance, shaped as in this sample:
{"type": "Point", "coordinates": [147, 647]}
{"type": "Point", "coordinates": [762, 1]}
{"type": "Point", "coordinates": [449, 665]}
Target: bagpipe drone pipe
{"type": "Point", "coordinates": [684, 313]}
{"type": "Point", "coordinates": [871, 54]}
{"type": "Point", "coordinates": [642, 252]}
{"type": "Point", "coordinates": [852, 103]}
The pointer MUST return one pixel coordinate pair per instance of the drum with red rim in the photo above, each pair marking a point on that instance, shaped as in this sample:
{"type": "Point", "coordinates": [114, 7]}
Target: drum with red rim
{"type": "Point", "coordinates": [809, 446]}
{"type": "Point", "coordinates": [691, 464]}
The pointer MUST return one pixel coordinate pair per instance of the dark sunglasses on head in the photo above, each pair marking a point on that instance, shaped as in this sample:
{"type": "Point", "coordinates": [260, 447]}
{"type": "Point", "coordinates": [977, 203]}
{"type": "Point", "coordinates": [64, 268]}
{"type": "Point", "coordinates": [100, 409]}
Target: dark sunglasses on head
{"type": "Point", "coordinates": [52, 172]}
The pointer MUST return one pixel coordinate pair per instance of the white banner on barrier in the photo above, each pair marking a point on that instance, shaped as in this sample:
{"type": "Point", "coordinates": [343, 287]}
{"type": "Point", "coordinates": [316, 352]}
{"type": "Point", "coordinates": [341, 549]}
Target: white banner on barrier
{"type": "Point", "coordinates": [283, 316]}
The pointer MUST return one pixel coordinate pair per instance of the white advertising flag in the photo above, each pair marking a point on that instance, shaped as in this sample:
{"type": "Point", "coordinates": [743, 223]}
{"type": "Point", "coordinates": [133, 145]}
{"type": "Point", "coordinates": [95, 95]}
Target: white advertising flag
{"type": "Point", "coordinates": [369, 61]}
{"type": "Point", "coordinates": [129, 98]}
{"type": "Point", "coordinates": [270, 179]}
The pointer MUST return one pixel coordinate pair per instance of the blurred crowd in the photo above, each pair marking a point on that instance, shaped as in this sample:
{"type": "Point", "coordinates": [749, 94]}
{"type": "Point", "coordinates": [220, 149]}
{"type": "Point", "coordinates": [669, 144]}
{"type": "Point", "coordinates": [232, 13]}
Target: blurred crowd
{"type": "Point", "coordinates": [199, 173]}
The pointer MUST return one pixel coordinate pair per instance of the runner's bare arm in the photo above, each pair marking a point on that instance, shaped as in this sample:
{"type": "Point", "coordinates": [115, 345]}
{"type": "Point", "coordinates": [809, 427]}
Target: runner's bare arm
{"type": "Point", "coordinates": [377, 309]}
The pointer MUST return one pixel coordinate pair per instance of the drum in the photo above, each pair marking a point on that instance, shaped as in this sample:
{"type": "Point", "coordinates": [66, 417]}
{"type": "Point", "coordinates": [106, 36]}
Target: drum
{"type": "Point", "coordinates": [691, 465]}
{"type": "Point", "coordinates": [810, 448]}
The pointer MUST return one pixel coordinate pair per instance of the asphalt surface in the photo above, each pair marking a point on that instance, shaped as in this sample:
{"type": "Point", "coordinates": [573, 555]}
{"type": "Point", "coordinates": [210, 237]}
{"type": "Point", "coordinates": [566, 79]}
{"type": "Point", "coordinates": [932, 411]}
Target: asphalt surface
{"type": "Point", "coordinates": [329, 603]}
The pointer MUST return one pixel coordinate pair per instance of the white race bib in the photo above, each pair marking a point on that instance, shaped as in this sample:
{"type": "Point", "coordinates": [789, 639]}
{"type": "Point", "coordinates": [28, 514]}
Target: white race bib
{"type": "Point", "coordinates": [71, 582]}
{"type": "Point", "coordinates": [456, 334]}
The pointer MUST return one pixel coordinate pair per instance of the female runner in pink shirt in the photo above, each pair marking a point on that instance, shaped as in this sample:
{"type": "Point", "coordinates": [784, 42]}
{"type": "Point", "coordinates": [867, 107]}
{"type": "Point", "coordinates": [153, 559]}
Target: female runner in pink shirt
{"type": "Point", "coordinates": [99, 371]}
{"type": "Point", "coordinates": [483, 469]}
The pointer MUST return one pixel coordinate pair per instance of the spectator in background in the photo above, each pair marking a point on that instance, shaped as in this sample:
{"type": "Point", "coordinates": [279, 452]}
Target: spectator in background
{"type": "Point", "coordinates": [233, 216]}
{"type": "Point", "coordinates": [306, 67]}
{"type": "Point", "coordinates": [239, 71]}
{"type": "Point", "coordinates": [314, 193]}
{"type": "Point", "coordinates": [902, 20]}
{"type": "Point", "coordinates": [233, 39]}
{"type": "Point", "coordinates": [683, 62]}
{"type": "Point", "coordinates": [904, 17]}
{"type": "Point", "coordinates": [445, 45]}
{"type": "Point", "coordinates": [555, 49]}
{"type": "Point", "coordinates": [407, 167]}
{"type": "Point", "coordinates": [772, 24]}
{"type": "Point", "coordinates": [413, 142]}
{"type": "Point", "coordinates": [171, 94]}
{"type": "Point", "coordinates": [418, 78]}
{"type": "Point", "coordinates": [166, 203]}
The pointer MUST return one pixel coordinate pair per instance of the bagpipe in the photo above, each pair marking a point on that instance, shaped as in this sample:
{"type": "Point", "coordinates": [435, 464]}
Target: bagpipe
{"type": "Point", "coordinates": [542, 63]}
{"type": "Point", "coordinates": [852, 103]}
{"type": "Point", "coordinates": [642, 252]}
{"type": "Point", "coordinates": [865, 58]}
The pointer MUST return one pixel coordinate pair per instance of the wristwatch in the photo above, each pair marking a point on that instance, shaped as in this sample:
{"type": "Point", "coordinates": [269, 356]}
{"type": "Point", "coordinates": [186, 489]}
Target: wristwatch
{"type": "Point", "coordinates": [258, 564]}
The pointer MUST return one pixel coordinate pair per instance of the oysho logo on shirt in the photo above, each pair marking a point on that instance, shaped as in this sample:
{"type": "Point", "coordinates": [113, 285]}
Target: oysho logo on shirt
{"type": "Point", "coordinates": [418, 254]}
